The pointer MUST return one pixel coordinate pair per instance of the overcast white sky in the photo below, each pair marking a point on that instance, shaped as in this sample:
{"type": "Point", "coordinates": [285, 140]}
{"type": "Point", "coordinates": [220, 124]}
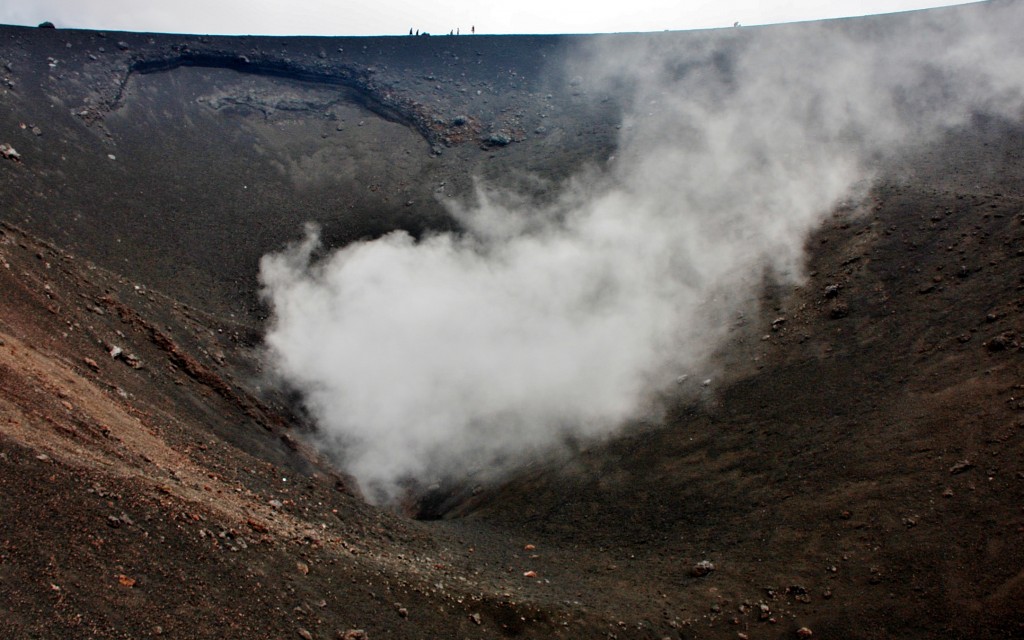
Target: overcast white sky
{"type": "Point", "coordinates": [396, 17]}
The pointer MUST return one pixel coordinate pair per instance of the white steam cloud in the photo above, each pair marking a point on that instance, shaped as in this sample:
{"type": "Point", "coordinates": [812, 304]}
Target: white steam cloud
{"type": "Point", "coordinates": [423, 359]}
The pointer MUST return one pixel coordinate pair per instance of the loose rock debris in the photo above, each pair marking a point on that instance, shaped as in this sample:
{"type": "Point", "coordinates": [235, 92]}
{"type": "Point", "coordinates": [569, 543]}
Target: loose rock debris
{"type": "Point", "coordinates": [7, 151]}
{"type": "Point", "coordinates": [702, 568]}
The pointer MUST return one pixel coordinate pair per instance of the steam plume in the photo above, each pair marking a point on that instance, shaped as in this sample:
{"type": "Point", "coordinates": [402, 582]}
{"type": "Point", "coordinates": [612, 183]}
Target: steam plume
{"type": "Point", "coordinates": [422, 359]}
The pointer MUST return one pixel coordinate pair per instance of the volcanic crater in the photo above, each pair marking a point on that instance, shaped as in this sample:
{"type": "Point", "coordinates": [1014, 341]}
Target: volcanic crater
{"type": "Point", "coordinates": [854, 468]}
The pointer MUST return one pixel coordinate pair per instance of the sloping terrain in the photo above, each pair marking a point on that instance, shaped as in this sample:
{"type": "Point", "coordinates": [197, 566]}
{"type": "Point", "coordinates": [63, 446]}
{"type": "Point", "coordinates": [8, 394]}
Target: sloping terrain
{"type": "Point", "coordinates": [856, 468]}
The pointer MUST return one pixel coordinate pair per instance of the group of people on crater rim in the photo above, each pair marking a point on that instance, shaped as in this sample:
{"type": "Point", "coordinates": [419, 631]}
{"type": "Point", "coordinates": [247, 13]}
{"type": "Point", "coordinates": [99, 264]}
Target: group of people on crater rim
{"type": "Point", "coordinates": [454, 32]}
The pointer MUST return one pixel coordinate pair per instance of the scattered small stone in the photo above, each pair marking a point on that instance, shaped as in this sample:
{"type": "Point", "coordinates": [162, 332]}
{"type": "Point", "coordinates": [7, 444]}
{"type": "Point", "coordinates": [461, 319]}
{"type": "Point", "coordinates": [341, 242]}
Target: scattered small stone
{"type": "Point", "coordinates": [289, 442]}
{"type": "Point", "coordinates": [961, 466]}
{"type": "Point", "coordinates": [839, 310]}
{"type": "Point", "coordinates": [702, 568]}
{"type": "Point", "coordinates": [353, 634]}
{"type": "Point", "coordinates": [276, 504]}
{"type": "Point", "coordinates": [305, 634]}
{"type": "Point", "coordinates": [92, 364]}
{"type": "Point", "coordinates": [497, 140]}
{"type": "Point", "coordinates": [302, 567]}
{"type": "Point", "coordinates": [529, 574]}
{"type": "Point", "coordinates": [8, 152]}
{"type": "Point", "coordinates": [42, 457]}
{"type": "Point", "coordinates": [114, 522]}
{"type": "Point", "coordinates": [475, 617]}
{"type": "Point", "coordinates": [529, 547]}
{"type": "Point", "coordinates": [1002, 342]}
{"type": "Point", "coordinates": [832, 290]}
{"type": "Point", "coordinates": [36, 130]}
{"type": "Point", "coordinates": [799, 593]}
{"type": "Point", "coordinates": [948, 493]}
{"type": "Point", "coordinates": [46, 25]}
{"type": "Point", "coordinates": [804, 632]}
{"type": "Point", "coordinates": [403, 612]}
{"type": "Point", "coordinates": [257, 526]}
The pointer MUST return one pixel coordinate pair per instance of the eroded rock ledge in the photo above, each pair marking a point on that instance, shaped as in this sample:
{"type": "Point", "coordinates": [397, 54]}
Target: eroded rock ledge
{"type": "Point", "coordinates": [359, 83]}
